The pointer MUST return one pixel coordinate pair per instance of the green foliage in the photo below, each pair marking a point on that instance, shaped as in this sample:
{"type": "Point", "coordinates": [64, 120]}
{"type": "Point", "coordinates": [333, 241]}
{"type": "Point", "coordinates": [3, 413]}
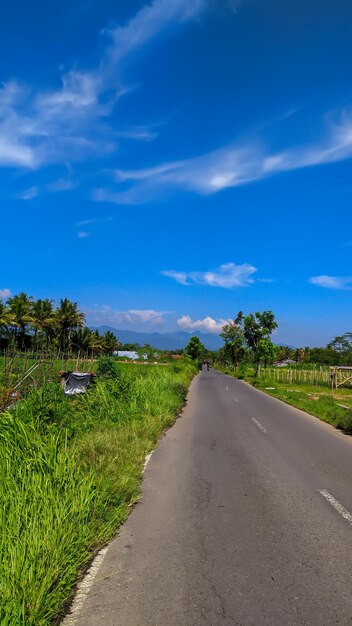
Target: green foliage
{"type": "Point", "coordinates": [343, 421]}
{"type": "Point", "coordinates": [333, 407]}
{"type": "Point", "coordinates": [249, 333]}
{"type": "Point", "coordinates": [258, 326]}
{"type": "Point", "coordinates": [69, 469]}
{"type": "Point", "coordinates": [266, 351]}
{"type": "Point", "coordinates": [44, 521]}
{"type": "Point", "coordinates": [195, 349]}
{"type": "Point", "coordinates": [106, 367]}
{"type": "Point", "coordinates": [233, 336]}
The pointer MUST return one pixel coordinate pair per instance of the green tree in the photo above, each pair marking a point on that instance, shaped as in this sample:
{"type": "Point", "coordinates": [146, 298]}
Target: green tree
{"type": "Point", "coordinates": [110, 342]}
{"type": "Point", "coordinates": [342, 345]}
{"type": "Point", "coordinates": [258, 326]}
{"type": "Point", "coordinates": [266, 351]}
{"type": "Point", "coordinates": [20, 308]}
{"type": "Point", "coordinates": [82, 340]}
{"type": "Point", "coordinates": [43, 319]}
{"type": "Point", "coordinates": [233, 336]}
{"type": "Point", "coordinates": [69, 319]}
{"type": "Point", "coordinates": [195, 348]}
{"type": "Point", "coordinates": [6, 318]}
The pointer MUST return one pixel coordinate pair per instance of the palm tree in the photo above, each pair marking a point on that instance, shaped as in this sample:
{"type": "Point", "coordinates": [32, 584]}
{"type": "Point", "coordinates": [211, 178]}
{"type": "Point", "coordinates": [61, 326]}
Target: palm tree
{"type": "Point", "coordinates": [6, 322]}
{"type": "Point", "coordinates": [5, 316]}
{"type": "Point", "coordinates": [69, 319]}
{"type": "Point", "coordinates": [21, 313]}
{"type": "Point", "coordinates": [110, 342]}
{"type": "Point", "coordinates": [97, 342]}
{"type": "Point", "coordinates": [82, 340]}
{"type": "Point", "coordinates": [43, 319]}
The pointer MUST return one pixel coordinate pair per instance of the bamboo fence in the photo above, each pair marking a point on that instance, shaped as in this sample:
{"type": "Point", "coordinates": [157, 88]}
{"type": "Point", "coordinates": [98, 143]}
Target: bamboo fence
{"type": "Point", "coordinates": [316, 376]}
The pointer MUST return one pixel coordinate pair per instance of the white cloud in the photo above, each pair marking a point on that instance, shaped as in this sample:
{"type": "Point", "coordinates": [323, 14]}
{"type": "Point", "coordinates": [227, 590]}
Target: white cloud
{"type": "Point", "coordinates": [61, 184]}
{"type": "Point", "coordinates": [208, 324]}
{"type": "Point", "coordinates": [86, 222]}
{"type": "Point", "coordinates": [228, 167]}
{"type": "Point", "coordinates": [145, 315]}
{"type": "Point", "coordinates": [180, 277]}
{"type": "Point", "coordinates": [71, 123]}
{"type": "Point", "coordinates": [5, 293]}
{"type": "Point", "coordinates": [141, 319]}
{"type": "Point", "coordinates": [332, 282]}
{"type": "Point", "coordinates": [95, 221]}
{"type": "Point", "coordinates": [28, 194]}
{"type": "Point", "coordinates": [83, 234]}
{"type": "Point", "coordinates": [228, 275]}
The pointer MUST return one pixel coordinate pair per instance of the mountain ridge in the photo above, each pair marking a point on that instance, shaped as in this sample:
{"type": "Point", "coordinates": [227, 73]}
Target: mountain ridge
{"type": "Point", "coordinates": [175, 340]}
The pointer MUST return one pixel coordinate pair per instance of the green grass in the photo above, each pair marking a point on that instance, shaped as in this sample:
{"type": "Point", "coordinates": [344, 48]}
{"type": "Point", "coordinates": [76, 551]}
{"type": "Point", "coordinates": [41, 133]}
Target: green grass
{"type": "Point", "coordinates": [14, 368]}
{"type": "Point", "coordinates": [69, 470]}
{"type": "Point", "coordinates": [318, 400]}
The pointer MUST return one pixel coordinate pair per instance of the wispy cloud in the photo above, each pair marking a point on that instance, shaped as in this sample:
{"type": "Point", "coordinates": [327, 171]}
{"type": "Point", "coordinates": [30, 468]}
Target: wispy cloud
{"type": "Point", "coordinates": [208, 324]}
{"type": "Point", "coordinates": [86, 222]}
{"type": "Point", "coordinates": [230, 166]}
{"type": "Point", "coordinates": [59, 185]}
{"type": "Point", "coordinates": [95, 220]}
{"type": "Point", "coordinates": [228, 276]}
{"type": "Point", "coordinates": [5, 293]}
{"type": "Point", "coordinates": [132, 318]}
{"type": "Point", "coordinates": [71, 123]}
{"type": "Point", "coordinates": [332, 282]}
{"type": "Point", "coordinates": [83, 234]}
{"type": "Point", "coordinates": [28, 194]}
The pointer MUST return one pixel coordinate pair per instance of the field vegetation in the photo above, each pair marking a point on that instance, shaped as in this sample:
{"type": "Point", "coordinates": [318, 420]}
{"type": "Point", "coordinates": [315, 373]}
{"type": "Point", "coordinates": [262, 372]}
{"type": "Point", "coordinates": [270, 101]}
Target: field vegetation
{"type": "Point", "coordinates": [70, 469]}
{"type": "Point", "coordinates": [299, 376]}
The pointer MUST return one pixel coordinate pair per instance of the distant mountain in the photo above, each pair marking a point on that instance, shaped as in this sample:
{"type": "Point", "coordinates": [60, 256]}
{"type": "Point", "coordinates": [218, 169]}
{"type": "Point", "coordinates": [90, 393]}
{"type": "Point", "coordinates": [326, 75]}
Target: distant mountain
{"type": "Point", "coordinates": [163, 341]}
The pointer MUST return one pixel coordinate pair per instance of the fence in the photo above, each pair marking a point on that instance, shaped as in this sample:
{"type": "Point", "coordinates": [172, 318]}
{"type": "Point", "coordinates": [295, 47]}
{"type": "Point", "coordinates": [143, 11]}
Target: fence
{"type": "Point", "coordinates": [317, 376]}
{"type": "Point", "coordinates": [22, 371]}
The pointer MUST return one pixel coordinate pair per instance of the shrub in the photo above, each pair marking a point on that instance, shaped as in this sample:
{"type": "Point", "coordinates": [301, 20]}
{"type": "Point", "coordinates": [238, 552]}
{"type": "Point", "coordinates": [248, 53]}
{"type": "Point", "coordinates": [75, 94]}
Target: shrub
{"type": "Point", "coordinates": [344, 421]}
{"type": "Point", "coordinates": [106, 367]}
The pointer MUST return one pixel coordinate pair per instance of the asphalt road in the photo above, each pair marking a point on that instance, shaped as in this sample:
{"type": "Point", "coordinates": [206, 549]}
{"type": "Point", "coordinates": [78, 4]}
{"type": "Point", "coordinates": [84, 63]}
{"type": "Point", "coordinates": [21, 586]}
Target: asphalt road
{"type": "Point", "coordinates": [244, 519]}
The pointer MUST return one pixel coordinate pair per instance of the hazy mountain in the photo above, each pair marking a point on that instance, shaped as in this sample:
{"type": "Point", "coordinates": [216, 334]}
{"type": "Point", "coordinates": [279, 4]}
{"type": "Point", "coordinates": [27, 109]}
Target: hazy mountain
{"type": "Point", "coordinates": [163, 341]}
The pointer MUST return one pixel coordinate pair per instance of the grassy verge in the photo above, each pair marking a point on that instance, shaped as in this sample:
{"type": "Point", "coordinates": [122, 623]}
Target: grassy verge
{"type": "Point", "coordinates": [69, 470]}
{"type": "Point", "coordinates": [333, 407]}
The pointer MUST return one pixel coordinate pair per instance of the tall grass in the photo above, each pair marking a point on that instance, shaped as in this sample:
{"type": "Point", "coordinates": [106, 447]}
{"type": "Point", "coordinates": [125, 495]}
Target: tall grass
{"type": "Point", "coordinates": [69, 469]}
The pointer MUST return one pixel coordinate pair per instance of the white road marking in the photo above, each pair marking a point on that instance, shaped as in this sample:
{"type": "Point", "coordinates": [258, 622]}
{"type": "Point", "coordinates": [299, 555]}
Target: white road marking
{"type": "Point", "coordinates": [147, 459]}
{"type": "Point", "coordinates": [337, 506]}
{"type": "Point", "coordinates": [259, 425]}
{"type": "Point", "coordinates": [83, 589]}
{"type": "Point", "coordinates": [227, 388]}
{"type": "Point", "coordinates": [235, 399]}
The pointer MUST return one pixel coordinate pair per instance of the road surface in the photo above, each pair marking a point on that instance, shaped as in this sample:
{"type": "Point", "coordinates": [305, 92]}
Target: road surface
{"type": "Point", "coordinates": [245, 518]}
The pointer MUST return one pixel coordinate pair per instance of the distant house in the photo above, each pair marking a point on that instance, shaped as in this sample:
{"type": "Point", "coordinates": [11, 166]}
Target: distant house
{"type": "Point", "coordinates": [127, 354]}
{"type": "Point", "coordinates": [130, 354]}
{"type": "Point", "coordinates": [176, 356]}
{"type": "Point", "coordinates": [284, 363]}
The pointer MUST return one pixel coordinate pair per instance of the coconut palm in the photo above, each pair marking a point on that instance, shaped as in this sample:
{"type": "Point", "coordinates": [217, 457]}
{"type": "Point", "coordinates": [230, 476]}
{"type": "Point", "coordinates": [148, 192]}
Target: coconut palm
{"type": "Point", "coordinates": [6, 319]}
{"type": "Point", "coordinates": [69, 319]}
{"type": "Point", "coordinates": [110, 342]}
{"type": "Point", "coordinates": [43, 319]}
{"type": "Point", "coordinates": [20, 308]}
{"type": "Point", "coordinates": [83, 340]}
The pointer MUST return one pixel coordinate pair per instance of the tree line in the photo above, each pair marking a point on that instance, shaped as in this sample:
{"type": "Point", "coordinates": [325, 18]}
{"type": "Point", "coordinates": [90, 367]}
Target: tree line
{"type": "Point", "coordinates": [39, 325]}
{"type": "Point", "coordinates": [29, 324]}
{"type": "Point", "coordinates": [247, 339]}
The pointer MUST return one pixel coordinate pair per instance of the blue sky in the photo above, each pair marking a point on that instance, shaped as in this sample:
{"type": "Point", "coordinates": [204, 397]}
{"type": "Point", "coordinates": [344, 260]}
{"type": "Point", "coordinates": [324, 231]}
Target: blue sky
{"type": "Point", "coordinates": [166, 164]}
